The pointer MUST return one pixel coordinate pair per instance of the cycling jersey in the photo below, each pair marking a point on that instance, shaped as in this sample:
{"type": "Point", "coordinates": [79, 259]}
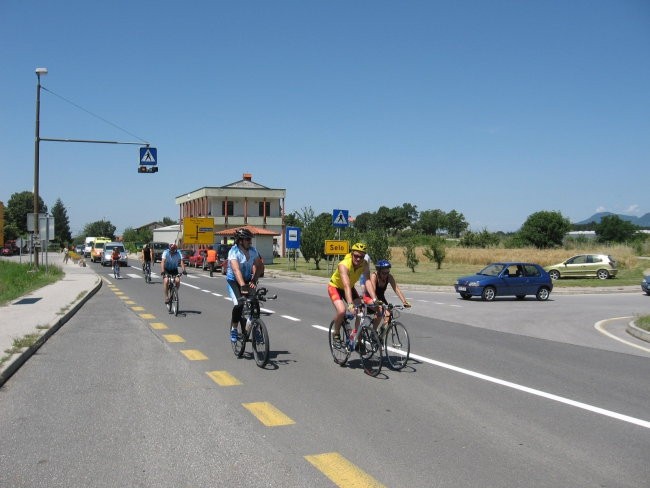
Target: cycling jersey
{"type": "Point", "coordinates": [245, 265]}
{"type": "Point", "coordinates": [354, 273]}
{"type": "Point", "coordinates": [172, 260]}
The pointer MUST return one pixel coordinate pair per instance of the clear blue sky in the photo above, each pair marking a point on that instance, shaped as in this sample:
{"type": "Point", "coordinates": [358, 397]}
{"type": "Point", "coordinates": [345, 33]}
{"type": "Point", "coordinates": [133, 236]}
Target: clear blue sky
{"type": "Point", "coordinates": [497, 109]}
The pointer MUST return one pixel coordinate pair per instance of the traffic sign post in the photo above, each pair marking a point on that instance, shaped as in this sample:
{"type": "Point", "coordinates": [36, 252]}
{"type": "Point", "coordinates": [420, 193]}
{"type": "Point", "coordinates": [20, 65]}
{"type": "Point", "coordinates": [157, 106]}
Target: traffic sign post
{"type": "Point", "coordinates": [292, 241]}
{"type": "Point", "coordinates": [149, 156]}
{"type": "Point", "coordinates": [340, 218]}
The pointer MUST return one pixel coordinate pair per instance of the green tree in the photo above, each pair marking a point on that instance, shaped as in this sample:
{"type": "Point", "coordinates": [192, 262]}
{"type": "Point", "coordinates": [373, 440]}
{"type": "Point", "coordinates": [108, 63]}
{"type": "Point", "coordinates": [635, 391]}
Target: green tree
{"type": "Point", "coordinates": [456, 223]}
{"type": "Point", "coordinates": [614, 229]}
{"type": "Point", "coordinates": [132, 237]}
{"type": "Point", "coordinates": [545, 229]}
{"type": "Point", "coordinates": [62, 232]}
{"type": "Point", "coordinates": [431, 221]}
{"type": "Point", "coordinates": [364, 222]}
{"type": "Point", "coordinates": [436, 251]}
{"type": "Point", "coordinates": [18, 206]}
{"type": "Point", "coordinates": [167, 221]}
{"type": "Point", "coordinates": [377, 242]}
{"type": "Point", "coordinates": [292, 220]}
{"type": "Point", "coordinates": [411, 257]}
{"type": "Point", "coordinates": [483, 239]}
{"type": "Point", "coordinates": [100, 228]}
{"type": "Point", "coordinates": [314, 236]}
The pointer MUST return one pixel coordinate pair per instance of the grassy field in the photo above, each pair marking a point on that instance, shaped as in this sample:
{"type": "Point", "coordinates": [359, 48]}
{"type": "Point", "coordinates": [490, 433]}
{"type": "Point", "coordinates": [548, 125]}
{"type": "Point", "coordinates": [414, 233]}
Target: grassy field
{"type": "Point", "coordinates": [464, 261]}
{"type": "Point", "coordinates": [18, 279]}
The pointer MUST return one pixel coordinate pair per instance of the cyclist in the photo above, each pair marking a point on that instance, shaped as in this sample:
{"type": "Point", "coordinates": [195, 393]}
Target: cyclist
{"type": "Point", "coordinates": [341, 286]}
{"type": "Point", "coordinates": [245, 266]}
{"type": "Point", "coordinates": [380, 280]}
{"type": "Point", "coordinates": [171, 260]}
{"type": "Point", "coordinates": [146, 256]}
{"type": "Point", "coordinates": [115, 259]}
{"type": "Point", "coordinates": [211, 258]}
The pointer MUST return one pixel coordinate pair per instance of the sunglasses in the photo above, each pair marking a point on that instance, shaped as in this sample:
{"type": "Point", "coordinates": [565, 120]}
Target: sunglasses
{"type": "Point", "coordinates": [358, 256]}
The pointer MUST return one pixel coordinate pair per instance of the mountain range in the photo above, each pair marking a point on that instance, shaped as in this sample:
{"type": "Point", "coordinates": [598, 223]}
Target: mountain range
{"type": "Point", "coordinates": [643, 221]}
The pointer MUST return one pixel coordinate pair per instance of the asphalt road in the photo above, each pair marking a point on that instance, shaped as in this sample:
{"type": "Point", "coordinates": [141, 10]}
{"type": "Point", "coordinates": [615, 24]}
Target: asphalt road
{"type": "Point", "coordinates": [503, 394]}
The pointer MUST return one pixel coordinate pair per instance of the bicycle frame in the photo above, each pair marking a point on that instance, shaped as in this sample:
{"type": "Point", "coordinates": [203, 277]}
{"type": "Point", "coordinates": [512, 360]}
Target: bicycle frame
{"type": "Point", "coordinates": [253, 328]}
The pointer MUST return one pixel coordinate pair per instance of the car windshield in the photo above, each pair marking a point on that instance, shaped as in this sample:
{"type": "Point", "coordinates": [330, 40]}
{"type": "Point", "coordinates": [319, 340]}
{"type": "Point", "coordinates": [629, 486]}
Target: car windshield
{"type": "Point", "coordinates": [491, 270]}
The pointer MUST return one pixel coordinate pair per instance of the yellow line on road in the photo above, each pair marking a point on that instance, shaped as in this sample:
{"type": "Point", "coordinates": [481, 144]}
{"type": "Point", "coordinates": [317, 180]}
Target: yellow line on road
{"type": "Point", "coordinates": [131, 302]}
{"type": "Point", "coordinates": [194, 355]}
{"type": "Point", "coordinates": [158, 326]}
{"type": "Point", "coordinates": [268, 414]}
{"type": "Point", "coordinates": [342, 472]}
{"type": "Point", "coordinates": [223, 378]}
{"type": "Point", "coordinates": [147, 316]}
{"type": "Point", "coordinates": [173, 338]}
{"type": "Point", "coordinates": [137, 309]}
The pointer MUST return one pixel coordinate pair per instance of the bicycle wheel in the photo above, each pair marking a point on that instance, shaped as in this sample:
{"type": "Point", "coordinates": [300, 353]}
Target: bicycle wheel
{"type": "Point", "coordinates": [174, 300]}
{"type": "Point", "coordinates": [396, 345]}
{"type": "Point", "coordinates": [260, 339]}
{"type": "Point", "coordinates": [339, 345]}
{"type": "Point", "coordinates": [169, 297]}
{"type": "Point", "coordinates": [370, 351]}
{"type": "Point", "coordinates": [116, 272]}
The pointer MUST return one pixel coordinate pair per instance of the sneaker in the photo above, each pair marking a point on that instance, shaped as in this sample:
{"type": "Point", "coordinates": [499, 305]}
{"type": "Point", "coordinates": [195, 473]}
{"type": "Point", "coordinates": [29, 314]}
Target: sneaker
{"type": "Point", "coordinates": [234, 335]}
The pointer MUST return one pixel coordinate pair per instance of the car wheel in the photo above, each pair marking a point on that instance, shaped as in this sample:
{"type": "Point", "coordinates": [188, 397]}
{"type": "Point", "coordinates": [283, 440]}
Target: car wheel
{"type": "Point", "coordinates": [543, 293]}
{"type": "Point", "coordinates": [465, 296]}
{"type": "Point", "coordinates": [521, 297]}
{"type": "Point", "coordinates": [488, 294]}
{"type": "Point", "coordinates": [554, 274]}
{"type": "Point", "coordinates": [602, 274]}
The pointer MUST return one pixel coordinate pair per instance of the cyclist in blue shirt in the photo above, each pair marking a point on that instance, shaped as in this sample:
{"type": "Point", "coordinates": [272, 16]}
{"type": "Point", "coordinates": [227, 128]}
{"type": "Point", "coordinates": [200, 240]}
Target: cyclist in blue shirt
{"type": "Point", "coordinates": [171, 260]}
{"type": "Point", "coordinates": [245, 266]}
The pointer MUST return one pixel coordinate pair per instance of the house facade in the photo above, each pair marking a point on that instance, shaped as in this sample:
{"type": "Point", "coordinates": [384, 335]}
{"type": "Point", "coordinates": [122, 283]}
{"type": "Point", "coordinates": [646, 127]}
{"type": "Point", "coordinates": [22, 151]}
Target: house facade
{"type": "Point", "coordinates": [238, 204]}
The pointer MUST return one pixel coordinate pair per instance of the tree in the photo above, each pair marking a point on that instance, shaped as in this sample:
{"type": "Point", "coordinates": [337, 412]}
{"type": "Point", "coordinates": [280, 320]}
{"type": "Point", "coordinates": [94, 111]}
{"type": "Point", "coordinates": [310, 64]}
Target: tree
{"type": "Point", "coordinates": [456, 223]}
{"type": "Point", "coordinates": [377, 242]}
{"type": "Point", "coordinates": [411, 257]}
{"type": "Point", "coordinates": [18, 206]}
{"type": "Point", "coordinates": [167, 221]}
{"type": "Point", "coordinates": [431, 221]}
{"type": "Point", "coordinates": [436, 251]}
{"type": "Point", "coordinates": [62, 232]}
{"type": "Point", "coordinates": [292, 220]}
{"type": "Point", "coordinates": [545, 229]}
{"type": "Point", "coordinates": [314, 236]}
{"type": "Point", "coordinates": [100, 228]}
{"type": "Point", "coordinates": [137, 236]}
{"type": "Point", "coordinates": [364, 222]}
{"type": "Point", "coordinates": [614, 229]}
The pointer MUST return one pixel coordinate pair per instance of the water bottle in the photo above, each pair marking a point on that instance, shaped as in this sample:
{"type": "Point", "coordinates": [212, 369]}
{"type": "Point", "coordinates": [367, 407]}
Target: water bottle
{"type": "Point", "coordinates": [248, 324]}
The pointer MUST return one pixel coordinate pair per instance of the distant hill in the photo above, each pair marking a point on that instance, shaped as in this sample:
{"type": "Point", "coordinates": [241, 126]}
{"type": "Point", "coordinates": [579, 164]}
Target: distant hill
{"type": "Point", "coordinates": [643, 221]}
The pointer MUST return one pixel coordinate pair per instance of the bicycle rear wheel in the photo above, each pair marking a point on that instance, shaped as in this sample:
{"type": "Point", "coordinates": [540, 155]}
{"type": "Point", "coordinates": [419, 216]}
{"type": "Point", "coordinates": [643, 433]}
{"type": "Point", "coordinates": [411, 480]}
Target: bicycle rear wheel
{"type": "Point", "coordinates": [370, 351]}
{"type": "Point", "coordinates": [397, 345]}
{"type": "Point", "coordinates": [260, 339]}
{"type": "Point", "coordinates": [339, 345]}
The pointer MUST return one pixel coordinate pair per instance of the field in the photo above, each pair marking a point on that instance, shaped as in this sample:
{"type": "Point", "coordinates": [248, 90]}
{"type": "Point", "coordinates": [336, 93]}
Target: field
{"type": "Point", "coordinates": [463, 261]}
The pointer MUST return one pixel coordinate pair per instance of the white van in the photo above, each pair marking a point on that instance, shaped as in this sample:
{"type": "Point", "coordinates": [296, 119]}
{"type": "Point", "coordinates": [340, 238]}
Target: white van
{"type": "Point", "coordinates": [88, 246]}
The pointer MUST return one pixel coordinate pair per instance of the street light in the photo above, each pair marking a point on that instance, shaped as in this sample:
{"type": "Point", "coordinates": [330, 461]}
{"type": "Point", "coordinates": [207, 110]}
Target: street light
{"type": "Point", "coordinates": [37, 143]}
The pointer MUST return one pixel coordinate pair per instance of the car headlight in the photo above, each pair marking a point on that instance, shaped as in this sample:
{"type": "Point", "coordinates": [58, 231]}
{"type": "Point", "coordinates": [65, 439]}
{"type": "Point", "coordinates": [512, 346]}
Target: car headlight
{"type": "Point", "coordinates": [474, 283]}
{"type": "Point", "coordinates": [644, 281]}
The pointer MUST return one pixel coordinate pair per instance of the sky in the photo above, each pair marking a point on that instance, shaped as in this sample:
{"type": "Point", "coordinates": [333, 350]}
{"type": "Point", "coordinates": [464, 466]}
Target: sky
{"type": "Point", "coordinates": [496, 109]}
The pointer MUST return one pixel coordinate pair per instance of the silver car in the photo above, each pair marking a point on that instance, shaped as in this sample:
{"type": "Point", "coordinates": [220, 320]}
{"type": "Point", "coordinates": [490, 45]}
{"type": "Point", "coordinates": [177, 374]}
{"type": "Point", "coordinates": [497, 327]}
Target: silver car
{"type": "Point", "coordinates": [108, 251]}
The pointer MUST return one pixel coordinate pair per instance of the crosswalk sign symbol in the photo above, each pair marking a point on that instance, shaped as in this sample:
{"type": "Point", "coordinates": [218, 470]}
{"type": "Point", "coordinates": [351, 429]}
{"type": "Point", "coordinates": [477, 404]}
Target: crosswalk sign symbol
{"type": "Point", "coordinates": [340, 218]}
{"type": "Point", "coordinates": [148, 155]}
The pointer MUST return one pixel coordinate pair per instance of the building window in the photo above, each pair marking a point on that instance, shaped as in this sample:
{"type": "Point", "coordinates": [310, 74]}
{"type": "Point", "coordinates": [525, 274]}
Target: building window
{"type": "Point", "coordinates": [227, 208]}
{"type": "Point", "coordinates": [264, 206]}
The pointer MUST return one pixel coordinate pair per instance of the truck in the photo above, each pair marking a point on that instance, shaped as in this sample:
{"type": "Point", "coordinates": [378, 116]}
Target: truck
{"type": "Point", "coordinates": [88, 246]}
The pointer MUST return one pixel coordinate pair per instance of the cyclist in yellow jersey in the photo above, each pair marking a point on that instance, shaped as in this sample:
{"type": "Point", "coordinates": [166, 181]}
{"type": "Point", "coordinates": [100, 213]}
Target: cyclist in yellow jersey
{"type": "Point", "coordinates": [341, 288]}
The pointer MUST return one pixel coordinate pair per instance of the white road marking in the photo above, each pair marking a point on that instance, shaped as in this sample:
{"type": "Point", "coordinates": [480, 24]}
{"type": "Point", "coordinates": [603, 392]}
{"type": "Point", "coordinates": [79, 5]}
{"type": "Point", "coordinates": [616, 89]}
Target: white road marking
{"type": "Point", "coordinates": [525, 389]}
{"type": "Point", "coordinates": [600, 327]}
{"type": "Point", "coordinates": [288, 317]}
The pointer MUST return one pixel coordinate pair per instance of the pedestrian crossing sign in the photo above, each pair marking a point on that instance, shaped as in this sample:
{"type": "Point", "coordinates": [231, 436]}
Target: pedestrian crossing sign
{"type": "Point", "coordinates": [149, 155]}
{"type": "Point", "coordinates": [340, 218]}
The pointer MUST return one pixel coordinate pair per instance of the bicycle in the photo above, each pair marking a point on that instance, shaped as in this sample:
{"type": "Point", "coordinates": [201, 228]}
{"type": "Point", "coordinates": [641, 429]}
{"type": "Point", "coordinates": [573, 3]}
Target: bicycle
{"type": "Point", "coordinates": [366, 341]}
{"type": "Point", "coordinates": [116, 269]}
{"type": "Point", "coordinates": [395, 338]}
{"type": "Point", "coordinates": [146, 269]}
{"type": "Point", "coordinates": [253, 328]}
{"type": "Point", "coordinates": [172, 293]}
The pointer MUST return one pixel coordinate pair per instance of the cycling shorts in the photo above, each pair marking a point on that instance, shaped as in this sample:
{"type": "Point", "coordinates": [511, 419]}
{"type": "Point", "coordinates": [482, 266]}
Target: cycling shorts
{"type": "Point", "coordinates": [172, 272]}
{"type": "Point", "coordinates": [339, 294]}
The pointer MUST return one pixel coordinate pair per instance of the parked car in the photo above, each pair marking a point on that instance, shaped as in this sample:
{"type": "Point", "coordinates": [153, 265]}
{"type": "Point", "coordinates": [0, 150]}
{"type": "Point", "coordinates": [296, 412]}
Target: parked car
{"type": "Point", "coordinates": [506, 279]}
{"type": "Point", "coordinates": [222, 256]}
{"type": "Point", "coordinates": [197, 258]}
{"type": "Point", "coordinates": [108, 251]}
{"type": "Point", "coordinates": [645, 284]}
{"type": "Point", "coordinates": [599, 266]}
{"type": "Point", "coordinates": [186, 255]}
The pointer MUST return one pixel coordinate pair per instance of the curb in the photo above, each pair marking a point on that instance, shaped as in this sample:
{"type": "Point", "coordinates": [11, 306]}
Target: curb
{"type": "Point", "coordinates": [21, 357]}
{"type": "Point", "coordinates": [637, 332]}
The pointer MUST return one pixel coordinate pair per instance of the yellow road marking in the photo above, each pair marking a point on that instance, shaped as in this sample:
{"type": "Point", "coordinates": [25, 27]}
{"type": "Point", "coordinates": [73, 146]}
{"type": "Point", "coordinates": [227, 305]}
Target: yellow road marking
{"type": "Point", "coordinates": [223, 378]}
{"type": "Point", "coordinates": [147, 316]}
{"type": "Point", "coordinates": [268, 414]}
{"type": "Point", "coordinates": [194, 355]}
{"type": "Point", "coordinates": [124, 297]}
{"type": "Point", "coordinates": [131, 302]}
{"type": "Point", "coordinates": [158, 325]}
{"type": "Point", "coordinates": [173, 338]}
{"type": "Point", "coordinates": [342, 472]}
{"type": "Point", "coordinates": [137, 309]}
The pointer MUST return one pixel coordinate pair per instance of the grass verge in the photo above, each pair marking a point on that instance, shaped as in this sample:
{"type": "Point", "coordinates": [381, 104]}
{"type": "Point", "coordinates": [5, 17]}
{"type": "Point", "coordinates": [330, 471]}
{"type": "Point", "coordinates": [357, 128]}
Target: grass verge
{"type": "Point", "coordinates": [17, 279]}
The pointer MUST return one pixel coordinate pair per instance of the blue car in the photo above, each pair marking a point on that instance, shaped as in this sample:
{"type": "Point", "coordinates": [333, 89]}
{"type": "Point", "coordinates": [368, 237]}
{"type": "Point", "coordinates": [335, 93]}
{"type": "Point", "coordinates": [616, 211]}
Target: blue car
{"type": "Point", "coordinates": [506, 279]}
{"type": "Point", "coordinates": [645, 285]}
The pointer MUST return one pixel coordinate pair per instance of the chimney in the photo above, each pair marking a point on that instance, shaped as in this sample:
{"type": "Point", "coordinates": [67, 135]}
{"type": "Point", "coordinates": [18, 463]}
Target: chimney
{"type": "Point", "coordinates": [248, 177]}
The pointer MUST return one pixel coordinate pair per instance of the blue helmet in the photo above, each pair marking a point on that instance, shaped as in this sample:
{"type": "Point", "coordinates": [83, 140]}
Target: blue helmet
{"type": "Point", "coordinates": [382, 264]}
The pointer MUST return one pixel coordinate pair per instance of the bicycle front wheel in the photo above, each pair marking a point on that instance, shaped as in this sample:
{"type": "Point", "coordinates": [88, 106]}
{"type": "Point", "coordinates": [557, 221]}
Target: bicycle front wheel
{"type": "Point", "coordinates": [260, 340]}
{"type": "Point", "coordinates": [396, 345]}
{"type": "Point", "coordinates": [339, 344]}
{"type": "Point", "coordinates": [239, 345]}
{"type": "Point", "coordinates": [174, 301]}
{"type": "Point", "coordinates": [370, 351]}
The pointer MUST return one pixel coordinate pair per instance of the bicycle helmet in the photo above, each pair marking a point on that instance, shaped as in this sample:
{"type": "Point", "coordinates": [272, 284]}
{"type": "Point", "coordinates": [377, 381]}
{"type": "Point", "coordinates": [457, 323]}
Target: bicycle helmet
{"type": "Point", "coordinates": [360, 246]}
{"type": "Point", "coordinates": [382, 264]}
{"type": "Point", "coordinates": [172, 246]}
{"type": "Point", "coordinates": [241, 234]}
